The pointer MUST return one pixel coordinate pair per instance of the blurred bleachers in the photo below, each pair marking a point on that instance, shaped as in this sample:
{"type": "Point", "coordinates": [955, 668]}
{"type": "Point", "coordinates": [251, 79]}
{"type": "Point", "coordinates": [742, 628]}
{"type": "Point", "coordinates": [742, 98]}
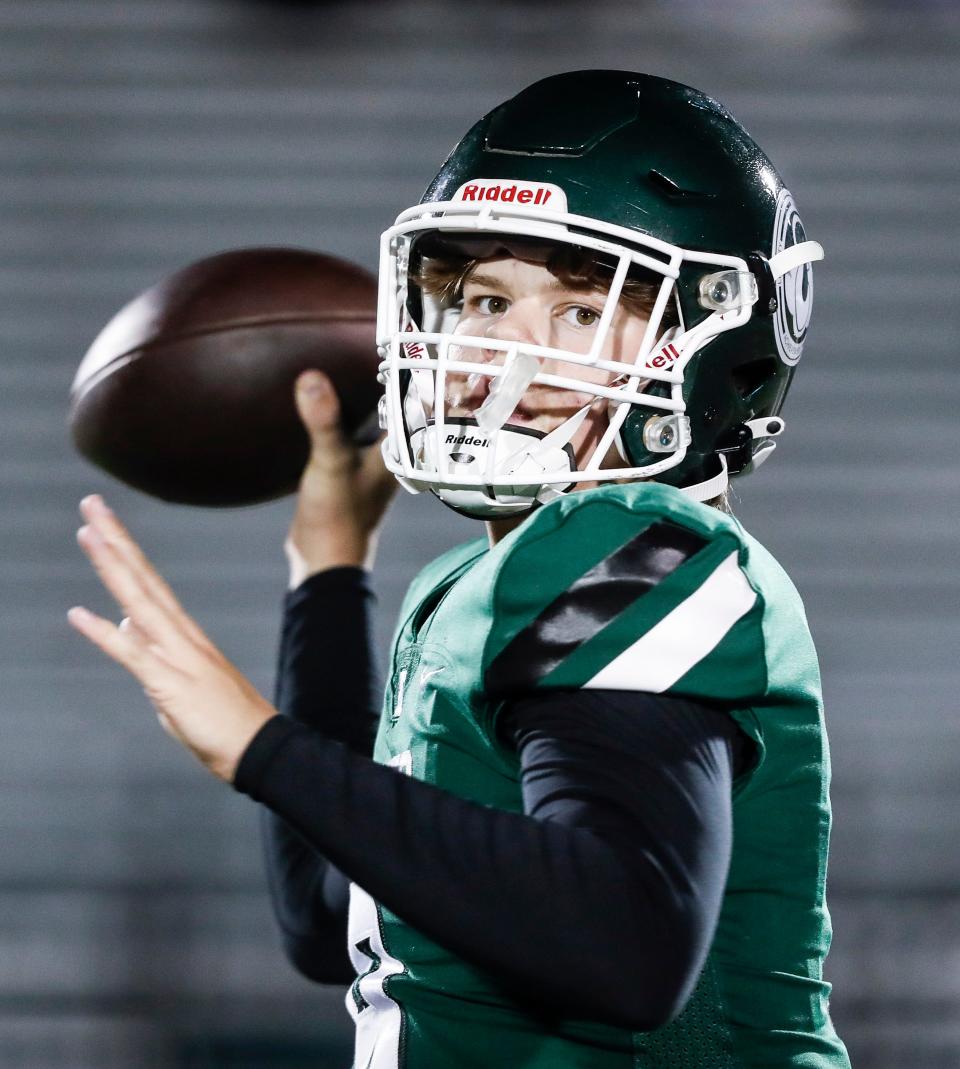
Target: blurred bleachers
{"type": "Point", "coordinates": [137, 136]}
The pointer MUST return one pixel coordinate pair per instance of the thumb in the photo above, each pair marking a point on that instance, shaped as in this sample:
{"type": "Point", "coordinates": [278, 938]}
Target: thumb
{"type": "Point", "coordinates": [318, 407]}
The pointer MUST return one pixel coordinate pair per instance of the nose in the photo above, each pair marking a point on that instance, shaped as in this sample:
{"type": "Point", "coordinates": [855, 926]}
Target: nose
{"type": "Point", "coordinates": [520, 323]}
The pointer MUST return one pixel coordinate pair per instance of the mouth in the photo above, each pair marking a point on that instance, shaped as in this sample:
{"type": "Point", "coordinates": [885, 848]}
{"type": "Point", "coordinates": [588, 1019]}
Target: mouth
{"type": "Point", "coordinates": [468, 405]}
{"type": "Point", "coordinates": [541, 406]}
{"type": "Point", "coordinates": [475, 390]}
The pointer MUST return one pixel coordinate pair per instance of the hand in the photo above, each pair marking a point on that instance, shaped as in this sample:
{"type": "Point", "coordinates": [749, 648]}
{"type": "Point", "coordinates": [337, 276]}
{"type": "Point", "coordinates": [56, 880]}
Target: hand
{"type": "Point", "coordinates": [201, 699]}
{"type": "Point", "coordinates": [344, 491]}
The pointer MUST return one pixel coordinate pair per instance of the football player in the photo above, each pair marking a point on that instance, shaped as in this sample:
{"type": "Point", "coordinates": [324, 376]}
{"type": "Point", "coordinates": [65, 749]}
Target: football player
{"type": "Point", "coordinates": [594, 829]}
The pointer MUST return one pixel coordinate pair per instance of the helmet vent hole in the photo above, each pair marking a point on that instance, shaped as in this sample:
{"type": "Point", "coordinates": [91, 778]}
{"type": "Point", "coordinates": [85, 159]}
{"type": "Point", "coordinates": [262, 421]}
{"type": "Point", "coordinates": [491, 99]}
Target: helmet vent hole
{"type": "Point", "coordinates": [663, 184]}
{"type": "Point", "coordinates": [748, 378]}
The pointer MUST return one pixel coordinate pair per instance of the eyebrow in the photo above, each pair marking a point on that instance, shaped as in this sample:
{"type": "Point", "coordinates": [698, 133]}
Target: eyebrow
{"type": "Point", "coordinates": [478, 278]}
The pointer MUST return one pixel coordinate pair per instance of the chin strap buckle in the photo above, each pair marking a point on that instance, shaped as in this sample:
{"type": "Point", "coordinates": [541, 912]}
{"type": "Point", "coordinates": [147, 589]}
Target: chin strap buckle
{"type": "Point", "coordinates": [740, 452]}
{"type": "Point", "coordinates": [765, 429]}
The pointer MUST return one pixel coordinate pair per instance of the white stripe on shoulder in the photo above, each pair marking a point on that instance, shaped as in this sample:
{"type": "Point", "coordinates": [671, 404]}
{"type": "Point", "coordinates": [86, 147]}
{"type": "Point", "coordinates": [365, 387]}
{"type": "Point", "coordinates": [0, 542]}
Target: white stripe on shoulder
{"type": "Point", "coordinates": [684, 636]}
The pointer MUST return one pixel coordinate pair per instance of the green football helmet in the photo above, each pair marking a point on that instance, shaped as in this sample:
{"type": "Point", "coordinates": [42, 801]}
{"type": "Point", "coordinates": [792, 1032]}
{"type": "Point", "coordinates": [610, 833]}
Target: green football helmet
{"type": "Point", "coordinates": [647, 179]}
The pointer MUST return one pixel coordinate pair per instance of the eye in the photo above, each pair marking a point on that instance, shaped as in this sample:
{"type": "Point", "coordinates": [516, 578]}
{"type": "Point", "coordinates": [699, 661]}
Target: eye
{"type": "Point", "coordinates": [490, 305]}
{"type": "Point", "coordinates": [580, 315]}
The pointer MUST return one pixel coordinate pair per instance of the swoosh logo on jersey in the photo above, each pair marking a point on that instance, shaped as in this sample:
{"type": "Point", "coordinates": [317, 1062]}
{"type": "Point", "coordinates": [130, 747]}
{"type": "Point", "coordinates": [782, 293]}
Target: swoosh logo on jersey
{"type": "Point", "coordinates": [429, 674]}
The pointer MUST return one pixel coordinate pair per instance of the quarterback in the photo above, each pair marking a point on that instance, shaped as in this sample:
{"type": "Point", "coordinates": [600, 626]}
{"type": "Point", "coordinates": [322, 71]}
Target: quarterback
{"type": "Point", "coordinates": [589, 824]}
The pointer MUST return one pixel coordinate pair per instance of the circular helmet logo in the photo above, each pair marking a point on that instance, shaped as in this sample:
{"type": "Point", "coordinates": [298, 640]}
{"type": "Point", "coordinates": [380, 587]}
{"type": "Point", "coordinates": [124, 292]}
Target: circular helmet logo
{"type": "Point", "coordinates": [795, 288]}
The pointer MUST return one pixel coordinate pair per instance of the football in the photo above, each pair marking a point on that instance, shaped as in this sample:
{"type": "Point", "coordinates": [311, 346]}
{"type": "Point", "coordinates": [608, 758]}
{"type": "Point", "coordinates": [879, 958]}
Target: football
{"type": "Point", "coordinates": [187, 393]}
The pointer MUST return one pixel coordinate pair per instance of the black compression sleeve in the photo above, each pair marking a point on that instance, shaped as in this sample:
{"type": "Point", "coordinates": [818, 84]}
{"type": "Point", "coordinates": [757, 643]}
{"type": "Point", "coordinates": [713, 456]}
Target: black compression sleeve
{"type": "Point", "coordinates": [325, 679]}
{"type": "Point", "coordinates": [325, 672]}
{"type": "Point", "coordinates": [599, 902]}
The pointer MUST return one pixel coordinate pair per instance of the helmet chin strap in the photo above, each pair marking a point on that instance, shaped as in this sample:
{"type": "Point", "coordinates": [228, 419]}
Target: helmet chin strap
{"type": "Point", "coordinates": [709, 488]}
{"type": "Point", "coordinates": [764, 430]}
{"type": "Point", "coordinates": [806, 252]}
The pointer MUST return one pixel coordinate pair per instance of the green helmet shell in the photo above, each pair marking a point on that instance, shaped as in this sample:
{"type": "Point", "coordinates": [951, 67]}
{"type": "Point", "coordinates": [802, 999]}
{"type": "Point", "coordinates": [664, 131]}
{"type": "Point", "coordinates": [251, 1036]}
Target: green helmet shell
{"type": "Point", "coordinates": [667, 161]}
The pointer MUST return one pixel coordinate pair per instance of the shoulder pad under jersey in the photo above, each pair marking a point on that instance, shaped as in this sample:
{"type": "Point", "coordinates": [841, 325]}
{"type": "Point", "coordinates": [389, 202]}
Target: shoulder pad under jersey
{"type": "Point", "coordinates": [626, 587]}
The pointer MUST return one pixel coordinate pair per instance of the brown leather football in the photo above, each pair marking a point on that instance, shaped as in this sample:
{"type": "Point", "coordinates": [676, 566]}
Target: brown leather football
{"type": "Point", "coordinates": [187, 393]}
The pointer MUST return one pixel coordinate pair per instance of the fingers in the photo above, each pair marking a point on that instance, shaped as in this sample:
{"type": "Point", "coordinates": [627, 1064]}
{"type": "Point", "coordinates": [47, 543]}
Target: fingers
{"type": "Point", "coordinates": [382, 483]}
{"type": "Point", "coordinates": [139, 636]}
{"type": "Point", "coordinates": [319, 409]}
{"type": "Point", "coordinates": [105, 521]}
{"type": "Point", "coordinates": [333, 458]}
{"type": "Point", "coordinates": [150, 617]}
{"type": "Point", "coordinates": [119, 643]}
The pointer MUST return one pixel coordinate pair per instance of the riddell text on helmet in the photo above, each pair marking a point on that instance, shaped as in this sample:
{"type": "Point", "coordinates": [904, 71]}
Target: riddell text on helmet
{"type": "Point", "coordinates": [506, 194]}
{"type": "Point", "coordinates": [665, 357]}
{"type": "Point", "coordinates": [465, 439]}
{"type": "Point", "coordinates": [532, 194]}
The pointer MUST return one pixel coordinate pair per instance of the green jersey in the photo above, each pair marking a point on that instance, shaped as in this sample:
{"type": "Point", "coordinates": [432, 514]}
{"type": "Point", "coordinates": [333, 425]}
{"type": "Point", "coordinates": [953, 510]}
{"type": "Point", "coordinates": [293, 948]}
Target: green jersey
{"type": "Point", "coordinates": [714, 620]}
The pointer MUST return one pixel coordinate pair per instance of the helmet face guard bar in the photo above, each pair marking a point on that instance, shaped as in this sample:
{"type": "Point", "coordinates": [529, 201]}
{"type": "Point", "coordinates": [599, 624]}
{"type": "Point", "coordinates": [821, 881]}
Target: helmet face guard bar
{"type": "Point", "coordinates": [416, 364]}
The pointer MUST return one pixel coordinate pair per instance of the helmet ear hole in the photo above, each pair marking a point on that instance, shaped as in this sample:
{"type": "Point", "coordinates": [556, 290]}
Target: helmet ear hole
{"type": "Point", "coordinates": [748, 378]}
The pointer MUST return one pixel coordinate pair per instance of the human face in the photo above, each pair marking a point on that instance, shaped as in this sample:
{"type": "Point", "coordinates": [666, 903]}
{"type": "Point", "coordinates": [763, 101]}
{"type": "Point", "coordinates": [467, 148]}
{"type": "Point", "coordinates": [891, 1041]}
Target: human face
{"type": "Point", "coordinates": [515, 300]}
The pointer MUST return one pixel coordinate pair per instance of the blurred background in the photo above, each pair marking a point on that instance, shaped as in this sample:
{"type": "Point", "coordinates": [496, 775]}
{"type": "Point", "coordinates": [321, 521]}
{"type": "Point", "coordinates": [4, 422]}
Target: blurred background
{"type": "Point", "coordinates": [139, 135]}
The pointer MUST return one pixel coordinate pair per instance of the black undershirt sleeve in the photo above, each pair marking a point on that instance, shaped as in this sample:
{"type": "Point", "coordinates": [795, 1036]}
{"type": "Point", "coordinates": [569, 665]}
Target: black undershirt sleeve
{"type": "Point", "coordinates": [599, 901]}
{"type": "Point", "coordinates": [325, 680]}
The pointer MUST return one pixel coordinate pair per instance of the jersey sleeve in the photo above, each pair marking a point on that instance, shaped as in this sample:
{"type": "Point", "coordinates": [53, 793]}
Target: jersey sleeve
{"type": "Point", "coordinates": [630, 588]}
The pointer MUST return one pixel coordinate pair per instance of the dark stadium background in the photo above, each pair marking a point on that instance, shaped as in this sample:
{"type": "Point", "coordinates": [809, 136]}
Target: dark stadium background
{"type": "Point", "coordinates": [139, 135]}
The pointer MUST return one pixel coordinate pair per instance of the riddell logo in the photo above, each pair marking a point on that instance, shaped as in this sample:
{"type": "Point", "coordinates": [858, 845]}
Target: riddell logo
{"type": "Point", "coordinates": [532, 194]}
{"type": "Point", "coordinates": [414, 350]}
{"type": "Point", "coordinates": [465, 439]}
{"type": "Point", "coordinates": [664, 358]}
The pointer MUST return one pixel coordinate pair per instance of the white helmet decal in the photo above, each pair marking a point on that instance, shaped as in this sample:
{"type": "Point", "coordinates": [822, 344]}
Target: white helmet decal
{"type": "Point", "coordinates": [795, 288]}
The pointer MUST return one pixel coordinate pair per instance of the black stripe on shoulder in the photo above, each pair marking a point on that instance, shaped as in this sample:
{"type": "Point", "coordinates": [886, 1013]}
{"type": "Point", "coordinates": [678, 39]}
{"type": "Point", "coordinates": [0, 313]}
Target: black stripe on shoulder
{"type": "Point", "coordinates": [592, 602]}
